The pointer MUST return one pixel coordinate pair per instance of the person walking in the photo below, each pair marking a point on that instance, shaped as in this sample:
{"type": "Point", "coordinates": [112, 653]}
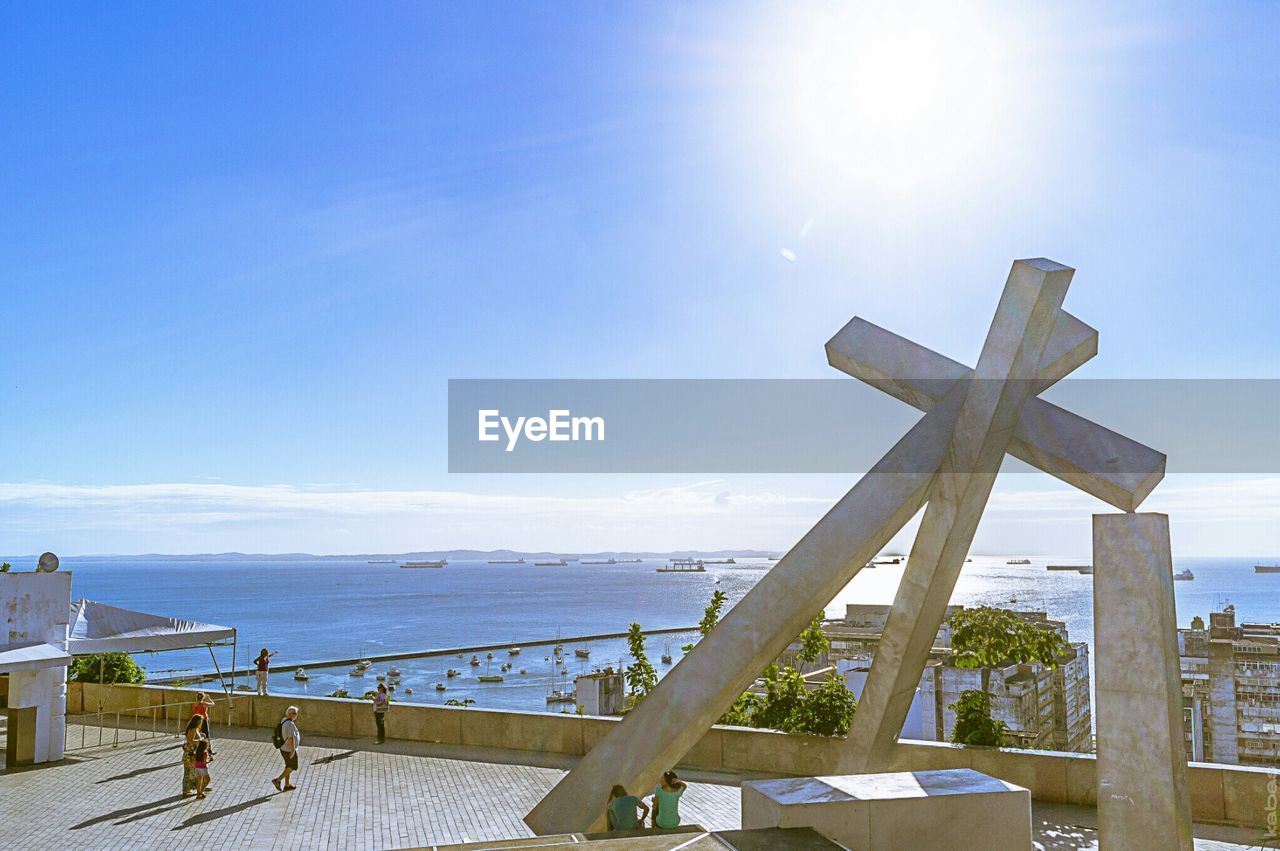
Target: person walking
{"type": "Point", "coordinates": [263, 663]}
{"type": "Point", "coordinates": [621, 812]}
{"type": "Point", "coordinates": [666, 801]}
{"type": "Point", "coordinates": [287, 740]}
{"type": "Point", "coordinates": [200, 761]}
{"type": "Point", "coordinates": [191, 738]}
{"type": "Point", "coordinates": [381, 702]}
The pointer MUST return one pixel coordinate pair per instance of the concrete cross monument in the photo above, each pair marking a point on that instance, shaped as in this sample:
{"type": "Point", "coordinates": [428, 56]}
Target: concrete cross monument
{"type": "Point", "coordinates": [948, 462]}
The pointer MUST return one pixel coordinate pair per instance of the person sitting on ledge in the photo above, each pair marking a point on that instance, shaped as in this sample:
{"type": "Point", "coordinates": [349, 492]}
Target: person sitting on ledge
{"type": "Point", "coordinates": [621, 812]}
{"type": "Point", "coordinates": [666, 801]}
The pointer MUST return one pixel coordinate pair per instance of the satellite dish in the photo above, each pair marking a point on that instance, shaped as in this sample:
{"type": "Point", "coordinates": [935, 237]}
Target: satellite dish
{"type": "Point", "coordinates": [48, 563]}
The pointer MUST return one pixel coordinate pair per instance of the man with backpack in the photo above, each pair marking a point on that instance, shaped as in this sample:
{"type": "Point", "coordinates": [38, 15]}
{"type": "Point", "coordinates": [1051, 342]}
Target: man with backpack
{"type": "Point", "coordinates": [287, 739]}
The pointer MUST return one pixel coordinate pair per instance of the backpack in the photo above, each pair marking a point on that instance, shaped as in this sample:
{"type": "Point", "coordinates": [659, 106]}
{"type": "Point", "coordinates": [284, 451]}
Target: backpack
{"type": "Point", "coordinates": [277, 736]}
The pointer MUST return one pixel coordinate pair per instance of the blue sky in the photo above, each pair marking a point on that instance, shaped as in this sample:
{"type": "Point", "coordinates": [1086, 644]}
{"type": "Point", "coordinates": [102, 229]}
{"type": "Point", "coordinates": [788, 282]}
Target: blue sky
{"type": "Point", "coordinates": [243, 250]}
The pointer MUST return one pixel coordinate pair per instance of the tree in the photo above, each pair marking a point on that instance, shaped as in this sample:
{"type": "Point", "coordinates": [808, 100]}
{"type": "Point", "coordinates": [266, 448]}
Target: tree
{"type": "Point", "coordinates": [641, 676]}
{"type": "Point", "coordinates": [813, 641]}
{"type": "Point", "coordinates": [985, 637]}
{"type": "Point", "coordinates": [4, 567]}
{"type": "Point", "coordinates": [106, 668]}
{"type": "Point", "coordinates": [710, 616]}
{"type": "Point", "coordinates": [829, 710]}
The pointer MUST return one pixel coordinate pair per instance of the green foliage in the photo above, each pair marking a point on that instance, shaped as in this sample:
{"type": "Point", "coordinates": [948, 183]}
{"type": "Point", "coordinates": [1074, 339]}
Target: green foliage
{"type": "Point", "coordinates": [453, 701]}
{"type": "Point", "coordinates": [813, 641]}
{"type": "Point", "coordinates": [106, 668]}
{"type": "Point", "coordinates": [641, 676]}
{"type": "Point", "coordinates": [789, 706]}
{"type": "Point", "coordinates": [4, 567]}
{"type": "Point", "coordinates": [829, 710]}
{"type": "Point", "coordinates": [985, 637]}
{"type": "Point", "coordinates": [710, 616]}
{"type": "Point", "coordinates": [974, 724]}
{"type": "Point", "coordinates": [742, 711]}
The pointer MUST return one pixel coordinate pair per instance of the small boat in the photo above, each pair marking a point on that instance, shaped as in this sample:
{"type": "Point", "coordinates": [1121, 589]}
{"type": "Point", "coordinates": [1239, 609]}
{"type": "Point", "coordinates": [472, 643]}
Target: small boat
{"type": "Point", "coordinates": [301, 674]}
{"type": "Point", "coordinates": [1018, 561]}
{"type": "Point", "coordinates": [666, 654]}
{"type": "Point", "coordinates": [413, 564]}
{"type": "Point", "coordinates": [453, 672]}
{"type": "Point", "coordinates": [1184, 575]}
{"type": "Point", "coordinates": [514, 651]}
{"type": "Point", "coordinates": [564, 670]}
{"type": "Point", "coordinates": [440, 686]}
{"type": "Point", "coordinates": [490, 678]}
{"type": "Point", "coordinates": [561, 696]}
{"type": "Point", "coordinates": [488, 655]}
{"type": "Point", "coordinates": [582, 653]}
{"type": "Point", "coordinates": [382, 678]}
{"type": "Point", "coordinates": [365, 663]}
{"type": "Point", "coordinates": [408, 691]}
{"type": "Point", "coordinates": [357, 671]}
{"type": "Point", "coordinates": [475, 661]}
{"type": "Point", "coordinates": [393, 672]}
{"type": "Point", "coordinates": [524, 671]}
{"type": "Point", "coordinates": [340, 693]}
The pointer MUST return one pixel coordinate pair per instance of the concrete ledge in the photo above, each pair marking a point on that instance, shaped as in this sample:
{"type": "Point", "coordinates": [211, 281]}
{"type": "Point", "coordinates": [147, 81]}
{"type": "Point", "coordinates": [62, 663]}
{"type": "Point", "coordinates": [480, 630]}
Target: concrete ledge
{"type": "Point", "coordinates": [1220, 794]}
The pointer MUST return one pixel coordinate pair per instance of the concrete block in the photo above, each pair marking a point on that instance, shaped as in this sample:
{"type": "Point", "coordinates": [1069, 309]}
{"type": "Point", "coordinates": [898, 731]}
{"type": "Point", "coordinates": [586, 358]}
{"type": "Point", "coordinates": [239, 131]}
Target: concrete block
{"type": "Point", "coordinates": [961, 810]}
{"type": "Point", "coordinates": [707, 753]}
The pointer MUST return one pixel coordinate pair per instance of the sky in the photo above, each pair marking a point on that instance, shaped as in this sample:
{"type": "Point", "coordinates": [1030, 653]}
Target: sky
{"type": "Point", "coordinates": [243, 250]}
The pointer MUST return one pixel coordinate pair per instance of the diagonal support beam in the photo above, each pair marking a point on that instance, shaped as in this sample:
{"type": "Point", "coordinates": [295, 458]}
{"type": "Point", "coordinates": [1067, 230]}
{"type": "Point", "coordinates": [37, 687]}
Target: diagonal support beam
{"type": "Point", "coordinates": [1110, 466]}
{"type": "Point", "coordinates": [1003, 382]}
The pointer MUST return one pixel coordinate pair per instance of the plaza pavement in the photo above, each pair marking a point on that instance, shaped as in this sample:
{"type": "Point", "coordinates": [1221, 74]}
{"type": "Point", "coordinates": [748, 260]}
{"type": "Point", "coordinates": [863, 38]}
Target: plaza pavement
{"type": "Point", "coordinates": [352, 794]}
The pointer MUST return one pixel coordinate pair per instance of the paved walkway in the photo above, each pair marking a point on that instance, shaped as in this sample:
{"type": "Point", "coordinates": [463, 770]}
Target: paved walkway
{"type": "Point", "coordinates": [353, 794]}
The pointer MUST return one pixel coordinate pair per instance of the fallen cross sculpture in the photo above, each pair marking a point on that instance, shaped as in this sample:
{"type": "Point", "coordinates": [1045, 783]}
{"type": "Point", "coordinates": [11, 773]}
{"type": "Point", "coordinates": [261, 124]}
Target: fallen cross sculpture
{"type": "Point", "coordinates": [949, 461]}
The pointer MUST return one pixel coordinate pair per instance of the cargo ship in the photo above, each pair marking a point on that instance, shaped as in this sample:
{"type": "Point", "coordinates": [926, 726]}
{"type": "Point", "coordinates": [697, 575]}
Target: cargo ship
{"type": "Point", "coordinates": [1266, 568]}
{"type": "Point", "coordinates": [412, 564]}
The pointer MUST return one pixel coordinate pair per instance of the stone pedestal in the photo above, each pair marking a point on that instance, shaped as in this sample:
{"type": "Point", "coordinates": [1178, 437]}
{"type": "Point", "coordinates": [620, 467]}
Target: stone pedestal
{"type": "Point", "coordinates": [1143, 799]}
{"type": "Point", "coordinates": [957, 809]}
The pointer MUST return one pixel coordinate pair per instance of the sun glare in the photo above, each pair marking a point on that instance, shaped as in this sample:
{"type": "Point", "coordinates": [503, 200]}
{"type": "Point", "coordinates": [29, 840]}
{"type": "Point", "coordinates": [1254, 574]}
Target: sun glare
{"type": "Point", "coordinates": [902, 94]}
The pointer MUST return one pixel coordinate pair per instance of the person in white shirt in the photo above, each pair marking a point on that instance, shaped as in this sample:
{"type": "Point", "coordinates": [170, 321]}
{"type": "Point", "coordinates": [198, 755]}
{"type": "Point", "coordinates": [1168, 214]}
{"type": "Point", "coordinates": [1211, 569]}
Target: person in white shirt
{"type": "Point", "coordinates": [290, 739]}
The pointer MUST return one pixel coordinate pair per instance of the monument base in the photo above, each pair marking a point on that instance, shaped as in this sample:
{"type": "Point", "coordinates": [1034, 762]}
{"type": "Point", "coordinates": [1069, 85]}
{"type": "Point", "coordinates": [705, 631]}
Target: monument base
{"type": "Point", "coordinates": [958, 809]}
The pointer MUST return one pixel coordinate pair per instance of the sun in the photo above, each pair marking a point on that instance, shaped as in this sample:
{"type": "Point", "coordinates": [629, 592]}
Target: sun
{"type": "Point", "coordinates": [903, 94]}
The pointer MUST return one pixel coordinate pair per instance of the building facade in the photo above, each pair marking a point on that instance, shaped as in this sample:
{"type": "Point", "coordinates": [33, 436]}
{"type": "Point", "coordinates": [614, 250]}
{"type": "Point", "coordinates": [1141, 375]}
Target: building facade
{"type": "Point", "coordinates": [1231, 690]}
{"type": "Point", "coordinates": [1047, 708]}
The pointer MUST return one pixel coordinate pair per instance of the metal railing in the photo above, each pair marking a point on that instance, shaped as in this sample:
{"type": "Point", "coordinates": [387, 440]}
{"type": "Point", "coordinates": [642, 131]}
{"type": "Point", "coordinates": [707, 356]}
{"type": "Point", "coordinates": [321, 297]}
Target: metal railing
{"type": "Point", "coordinates": [124, 726]}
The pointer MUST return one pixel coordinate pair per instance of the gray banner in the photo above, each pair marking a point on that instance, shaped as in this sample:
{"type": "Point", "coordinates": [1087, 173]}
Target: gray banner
{"type": "Point", "coordinates": [1219, 426]}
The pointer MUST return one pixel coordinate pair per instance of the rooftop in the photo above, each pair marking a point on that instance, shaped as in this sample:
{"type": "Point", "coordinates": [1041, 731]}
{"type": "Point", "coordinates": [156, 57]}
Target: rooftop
{"type": "Point", "coordinates": [353, 794]}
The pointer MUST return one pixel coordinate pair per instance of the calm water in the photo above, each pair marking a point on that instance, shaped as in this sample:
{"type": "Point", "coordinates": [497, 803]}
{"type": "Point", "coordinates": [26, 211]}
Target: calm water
{"type": "Point", "coordinates": [312, 611]}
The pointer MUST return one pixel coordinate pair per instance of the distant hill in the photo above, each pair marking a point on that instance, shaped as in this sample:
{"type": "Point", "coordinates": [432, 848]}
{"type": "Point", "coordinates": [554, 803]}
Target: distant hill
{"type": "Point", "coordinates": [23, 562]}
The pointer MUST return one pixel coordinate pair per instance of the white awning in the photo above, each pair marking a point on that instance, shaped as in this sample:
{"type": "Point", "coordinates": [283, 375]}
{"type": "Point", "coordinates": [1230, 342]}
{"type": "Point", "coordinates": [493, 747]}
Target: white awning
{"type": "Point", "coordinates": [31, 656]}
{"type": "Point", "coordinates": [99, 628]}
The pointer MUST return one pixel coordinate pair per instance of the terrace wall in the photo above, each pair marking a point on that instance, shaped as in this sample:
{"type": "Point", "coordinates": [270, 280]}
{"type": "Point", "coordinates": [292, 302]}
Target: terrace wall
{"type": "Point", "coordinates": [1228, 794]}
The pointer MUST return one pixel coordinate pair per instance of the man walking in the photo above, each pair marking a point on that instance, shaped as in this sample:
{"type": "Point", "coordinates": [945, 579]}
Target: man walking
{"type": "Point", "coordinates": [287, 740]}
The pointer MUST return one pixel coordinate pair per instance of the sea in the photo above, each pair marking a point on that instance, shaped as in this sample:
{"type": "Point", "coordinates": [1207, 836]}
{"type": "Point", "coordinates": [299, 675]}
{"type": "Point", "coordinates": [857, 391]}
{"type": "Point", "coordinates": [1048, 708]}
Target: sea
{"type": "Point", "coordinates": [310, 612]}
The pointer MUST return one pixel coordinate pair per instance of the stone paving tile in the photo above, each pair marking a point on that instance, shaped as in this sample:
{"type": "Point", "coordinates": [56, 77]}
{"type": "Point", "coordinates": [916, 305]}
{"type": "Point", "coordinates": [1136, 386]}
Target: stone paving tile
{"type": "Point", "coordinates": [351, 795]}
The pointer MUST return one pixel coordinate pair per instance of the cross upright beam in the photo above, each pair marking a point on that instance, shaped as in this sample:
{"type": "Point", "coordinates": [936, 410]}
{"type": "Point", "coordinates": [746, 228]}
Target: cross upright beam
{"type": "Point", "coordinates": [687, 701]}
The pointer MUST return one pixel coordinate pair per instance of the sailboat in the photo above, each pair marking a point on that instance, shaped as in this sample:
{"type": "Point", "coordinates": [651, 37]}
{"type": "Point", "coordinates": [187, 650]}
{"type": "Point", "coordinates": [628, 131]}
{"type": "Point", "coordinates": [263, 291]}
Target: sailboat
{"type": "Point", "coordinates": [666, 653]}
{"type": "Point", "coordinates": [560, 695]}
{"type": "Point", "coordinates": [488, 677]}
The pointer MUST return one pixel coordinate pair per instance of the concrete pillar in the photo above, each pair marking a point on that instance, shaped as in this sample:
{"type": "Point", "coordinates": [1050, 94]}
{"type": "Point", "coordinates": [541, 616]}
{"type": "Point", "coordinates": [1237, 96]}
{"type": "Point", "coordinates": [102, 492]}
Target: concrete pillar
{"type": "Point", "coordinates": [1143, 798]}
{"type": "Point", "coordinates": [1222, 701]}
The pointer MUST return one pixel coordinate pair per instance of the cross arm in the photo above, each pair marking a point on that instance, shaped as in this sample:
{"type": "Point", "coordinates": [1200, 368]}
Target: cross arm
{"type": "Point", "coordinates": [1110, 466]}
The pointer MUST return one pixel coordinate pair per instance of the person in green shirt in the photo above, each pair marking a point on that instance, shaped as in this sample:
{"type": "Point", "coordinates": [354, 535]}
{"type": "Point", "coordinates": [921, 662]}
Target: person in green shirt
{"type": "Point", "coordinates": [666, 801]}
{"type": "Point", "coordinates": [622, 810]}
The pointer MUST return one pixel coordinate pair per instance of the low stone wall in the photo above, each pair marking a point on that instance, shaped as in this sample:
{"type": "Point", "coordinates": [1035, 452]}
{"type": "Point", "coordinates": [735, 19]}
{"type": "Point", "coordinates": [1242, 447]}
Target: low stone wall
{"type": "Point", "coordinates": [1219, 793]}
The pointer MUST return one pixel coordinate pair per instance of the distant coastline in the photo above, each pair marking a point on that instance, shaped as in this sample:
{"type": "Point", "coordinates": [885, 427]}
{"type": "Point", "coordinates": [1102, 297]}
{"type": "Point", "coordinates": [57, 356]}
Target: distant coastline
{"type": "Point", "coordinates": [419, 555]}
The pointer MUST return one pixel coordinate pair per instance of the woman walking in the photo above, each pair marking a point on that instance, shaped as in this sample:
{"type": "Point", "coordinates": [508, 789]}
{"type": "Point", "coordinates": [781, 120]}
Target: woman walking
{"type": "Point", "coordinates": [666, 801]}
{"type": "Point", "coordinates": [381, 701]}
{"type": "Point", "coordinates": [263, 664]}
{"type": "Point", "coordinates": [191, 739]}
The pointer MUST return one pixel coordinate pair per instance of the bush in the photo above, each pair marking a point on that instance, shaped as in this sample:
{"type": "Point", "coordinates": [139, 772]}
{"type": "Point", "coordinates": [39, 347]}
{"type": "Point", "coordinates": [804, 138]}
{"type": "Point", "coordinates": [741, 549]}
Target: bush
{"type": "Point", "coordinates": [974, 724]}
{"type": "Point", "coordinates": [106, 668]}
